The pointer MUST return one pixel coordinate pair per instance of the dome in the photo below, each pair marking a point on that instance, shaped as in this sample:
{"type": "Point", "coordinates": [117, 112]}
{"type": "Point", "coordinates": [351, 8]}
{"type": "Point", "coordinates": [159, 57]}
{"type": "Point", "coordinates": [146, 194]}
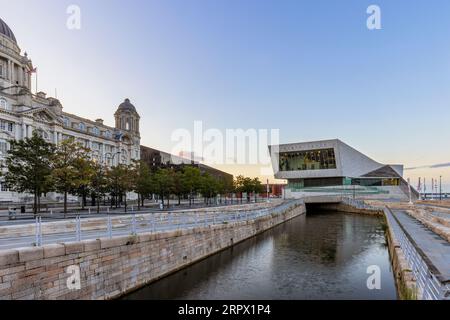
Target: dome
{"type": "Point", "coordinates": [127, 106]}
{"type": "Point", "coordinates": [6, 31]}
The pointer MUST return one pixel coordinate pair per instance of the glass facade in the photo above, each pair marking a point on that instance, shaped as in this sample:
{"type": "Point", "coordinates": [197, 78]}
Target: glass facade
{"type": "Point", "coordinates": [342, 181]}
{"type": "Point", "coordinates": [376, 182]}
{"type": "Point", "coordinates": [308, 160]}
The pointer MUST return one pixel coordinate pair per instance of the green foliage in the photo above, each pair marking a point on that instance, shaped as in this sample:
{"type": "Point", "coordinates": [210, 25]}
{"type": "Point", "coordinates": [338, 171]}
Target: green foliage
{"type": "Point", "coordinates": [28, 165]}
{"type": "Point", "coordinates": [69, 158]}
{"type": "Point", "coordinates": [248, 186]}
{"type": "Point", "coordinates": [37, 167]}
{"type": "Point", "coordinates": [143, 182]}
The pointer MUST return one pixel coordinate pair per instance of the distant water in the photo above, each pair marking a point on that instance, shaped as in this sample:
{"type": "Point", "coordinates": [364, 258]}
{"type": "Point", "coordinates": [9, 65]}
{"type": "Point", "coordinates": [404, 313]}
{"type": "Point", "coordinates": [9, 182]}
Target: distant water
{"type": "Point", "coordinates": [323, 255]}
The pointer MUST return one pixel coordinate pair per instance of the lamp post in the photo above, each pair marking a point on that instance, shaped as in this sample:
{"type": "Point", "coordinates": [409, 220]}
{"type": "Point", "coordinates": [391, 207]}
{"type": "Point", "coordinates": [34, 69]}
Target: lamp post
{"type": "Point", "coordinates": [112, 160]}
{"type": "Point", "coordinates": [440, 188]}
{"type": "Point", "coordinates": [409, 191]}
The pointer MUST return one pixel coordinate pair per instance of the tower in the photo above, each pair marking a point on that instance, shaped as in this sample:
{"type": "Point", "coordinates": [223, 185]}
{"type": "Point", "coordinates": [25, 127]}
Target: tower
{"type": "Point", "coordinates": [127, 118]}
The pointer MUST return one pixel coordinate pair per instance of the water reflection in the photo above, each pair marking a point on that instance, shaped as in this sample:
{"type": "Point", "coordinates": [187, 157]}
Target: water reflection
{"type": "Point", "coordinates": [317, 256]}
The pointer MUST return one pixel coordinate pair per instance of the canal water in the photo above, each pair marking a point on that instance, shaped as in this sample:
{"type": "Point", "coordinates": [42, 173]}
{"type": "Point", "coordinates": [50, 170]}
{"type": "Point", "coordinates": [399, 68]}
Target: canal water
{"type": "Point", "coordinates": [321, 255]}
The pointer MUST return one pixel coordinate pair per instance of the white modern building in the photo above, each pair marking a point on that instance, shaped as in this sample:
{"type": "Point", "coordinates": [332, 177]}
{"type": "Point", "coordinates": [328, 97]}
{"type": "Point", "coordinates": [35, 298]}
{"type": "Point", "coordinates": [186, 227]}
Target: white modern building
{"type": "Point", "coordinates": [22, 112]}
{"type": "Point", "coordinates": [333, 166]}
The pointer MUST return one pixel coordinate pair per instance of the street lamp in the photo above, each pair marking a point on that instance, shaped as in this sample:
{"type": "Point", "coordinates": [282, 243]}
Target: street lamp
{"type": "Point", "coordinates": [440, 188]}
{"type": "Point", "coordinates": [112, 164]}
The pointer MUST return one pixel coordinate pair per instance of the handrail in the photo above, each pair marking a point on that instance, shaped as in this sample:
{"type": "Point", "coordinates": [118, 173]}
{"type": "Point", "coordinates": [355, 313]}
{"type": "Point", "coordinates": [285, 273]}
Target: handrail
{"type": "Point", "coordinates": [424, 272]}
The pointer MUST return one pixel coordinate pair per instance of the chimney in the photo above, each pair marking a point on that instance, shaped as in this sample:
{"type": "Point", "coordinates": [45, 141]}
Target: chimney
{"type": "Point", "coordinates": [99, 121]}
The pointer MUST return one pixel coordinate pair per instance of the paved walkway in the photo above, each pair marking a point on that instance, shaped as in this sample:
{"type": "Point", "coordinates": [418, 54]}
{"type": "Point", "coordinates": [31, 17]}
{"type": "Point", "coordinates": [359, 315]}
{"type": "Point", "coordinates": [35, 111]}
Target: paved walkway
{"type": "Point", "coordinates": [432, 245]}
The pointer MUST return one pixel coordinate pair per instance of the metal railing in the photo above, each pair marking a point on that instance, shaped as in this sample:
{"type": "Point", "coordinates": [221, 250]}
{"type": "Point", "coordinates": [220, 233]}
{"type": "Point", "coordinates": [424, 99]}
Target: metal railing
{"type": "Point", "coordinates": [428, 283]}
{"type": "Point", "coordinates": [359, 204]}
{"type": "Point", "coordinates": [155, 222]}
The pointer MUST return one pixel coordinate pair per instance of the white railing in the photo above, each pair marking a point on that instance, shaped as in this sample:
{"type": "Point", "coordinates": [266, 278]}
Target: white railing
{"type": "Point", "coordinates": [428, 283]}
{"type": "Point", "coordinates": [158, 222]}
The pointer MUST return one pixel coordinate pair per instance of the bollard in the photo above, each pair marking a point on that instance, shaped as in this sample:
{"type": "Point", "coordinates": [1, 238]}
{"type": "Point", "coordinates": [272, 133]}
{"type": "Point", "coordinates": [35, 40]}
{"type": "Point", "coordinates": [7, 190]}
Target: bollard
{"type": "Point", "coordinates": [89, 210]}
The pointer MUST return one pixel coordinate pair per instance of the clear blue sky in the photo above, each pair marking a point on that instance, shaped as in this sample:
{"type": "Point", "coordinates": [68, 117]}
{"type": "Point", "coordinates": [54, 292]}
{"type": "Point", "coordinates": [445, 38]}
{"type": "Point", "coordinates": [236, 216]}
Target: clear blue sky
{"type": "Point", "coordinates": [309, 68]}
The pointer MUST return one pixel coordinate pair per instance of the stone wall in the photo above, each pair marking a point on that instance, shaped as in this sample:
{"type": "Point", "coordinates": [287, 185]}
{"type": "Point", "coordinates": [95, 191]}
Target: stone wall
{"type": "Point", "coordinates": [110, 268]}
{"type": "Point", "coordinates": [404, 277]}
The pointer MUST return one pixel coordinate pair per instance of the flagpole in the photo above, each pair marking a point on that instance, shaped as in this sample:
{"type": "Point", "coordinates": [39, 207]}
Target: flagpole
{"type": "Point", "coordinates": [36, 81]}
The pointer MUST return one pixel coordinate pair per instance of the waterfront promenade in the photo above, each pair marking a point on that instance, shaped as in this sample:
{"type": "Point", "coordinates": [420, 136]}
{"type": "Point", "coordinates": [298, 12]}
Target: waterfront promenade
{"type": "Point", "coordinates": [32, 232]}
{"type": "Point", "coordinates": [157, 243]}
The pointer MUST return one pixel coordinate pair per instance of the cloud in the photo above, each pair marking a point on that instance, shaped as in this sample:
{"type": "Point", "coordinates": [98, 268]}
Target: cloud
{"type": "Point", "coordinates": [433, 166]}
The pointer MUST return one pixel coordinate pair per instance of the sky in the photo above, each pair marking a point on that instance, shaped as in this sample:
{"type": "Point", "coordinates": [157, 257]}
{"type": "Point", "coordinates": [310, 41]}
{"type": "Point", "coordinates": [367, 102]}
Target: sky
{"type": "Point", "coordinates": [311, 69]}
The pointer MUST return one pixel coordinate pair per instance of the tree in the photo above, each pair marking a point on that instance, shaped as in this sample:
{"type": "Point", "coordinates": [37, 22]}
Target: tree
{"type": "Point", "coordinates": [99, 182]}
{"type": "Point", "coordinates": [209, 187]}
{"type": "Point", "coordinates": [65, 174]}
{"type": "Point", "coordinates": [247, 185]}
{"type": "Point", "coordinates": [29, 167]}
{"type": "Point", "coordinates": [143, 183]}
{"type": "Point", "coordinates": [258, 187]}
{"type": "Point", "coordinates": [84, 168]}
{"type": "Point", "coordinates": [120, 181]}
{"type": "Point", "coordinates": [191, 177]}
{"type": "Point", "coordinates": [164, 184]}
{"type": "Point", "coordinates": [180, 186]}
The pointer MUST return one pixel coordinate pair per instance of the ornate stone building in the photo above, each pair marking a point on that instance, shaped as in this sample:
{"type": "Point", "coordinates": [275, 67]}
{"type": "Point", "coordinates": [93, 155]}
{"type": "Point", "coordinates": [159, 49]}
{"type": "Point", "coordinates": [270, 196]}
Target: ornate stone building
{"type": "Point", "coordinates": [22, 112]}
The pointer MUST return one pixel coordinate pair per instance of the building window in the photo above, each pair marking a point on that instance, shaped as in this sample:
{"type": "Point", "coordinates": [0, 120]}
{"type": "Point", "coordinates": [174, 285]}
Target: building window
{"type": "Point", "coordinates": [95, 131]}
{"type": "Point", "coordinates": [82, 126]}
{"type": "Point", "coordinates": [6, 126]}
{"type": "Point", "coordinates": [66, 122]}
{"type": "Point", "coordinates": [308, 160]}
{"type": "Point", "coordinates": [4, 147]}
{"type": "Point", "coordinates": [4, 187]}
{"type": "Point", "coordinates": [108, 134]}
{"type": "Point", "coordinates": [3, 104]}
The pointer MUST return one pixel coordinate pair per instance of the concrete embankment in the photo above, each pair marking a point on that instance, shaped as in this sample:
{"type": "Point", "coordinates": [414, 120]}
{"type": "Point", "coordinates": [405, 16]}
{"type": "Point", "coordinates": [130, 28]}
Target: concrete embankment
{"type": "Point", "coordinates": [109, 268]}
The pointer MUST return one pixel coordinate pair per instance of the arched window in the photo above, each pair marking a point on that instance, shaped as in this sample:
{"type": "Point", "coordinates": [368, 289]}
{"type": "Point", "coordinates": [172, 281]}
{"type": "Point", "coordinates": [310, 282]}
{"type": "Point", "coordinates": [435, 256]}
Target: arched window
{"type": "Point", "coordinates": [82, 126]}
{"type": "Point", "coordinates": [95, 131]}
{"type": "Point", "coordinates": [3, 104]}
{"type": "Point", "coordinates": [66, 122]}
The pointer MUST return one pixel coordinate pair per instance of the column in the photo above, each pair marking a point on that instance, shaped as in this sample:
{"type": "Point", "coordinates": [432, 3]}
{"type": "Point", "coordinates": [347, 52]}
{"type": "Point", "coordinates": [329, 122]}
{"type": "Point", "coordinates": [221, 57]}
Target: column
{"type": "Point", "coordinates": [30, 131]}
{"type": "Point", "coordinates": [55, 137]}
{"type": "Point", "coordinates": [17, 128]}
{"type": "Point", "coordinates": [102, 153]}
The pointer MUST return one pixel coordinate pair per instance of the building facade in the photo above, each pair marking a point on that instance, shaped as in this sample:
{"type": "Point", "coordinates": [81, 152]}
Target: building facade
{"type": "Point", "coordinates": [22, 113]}
{"type": "Point", "coordinates": [156, 159]}
{"type": "Point", "coordinates": [321, 165]}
